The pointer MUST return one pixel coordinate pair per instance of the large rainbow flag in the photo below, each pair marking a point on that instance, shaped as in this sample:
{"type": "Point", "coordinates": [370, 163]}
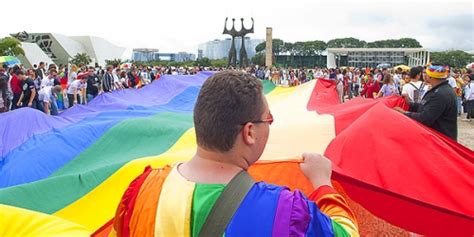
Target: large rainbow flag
{"type": "Point", "coordinates": [65, 174]}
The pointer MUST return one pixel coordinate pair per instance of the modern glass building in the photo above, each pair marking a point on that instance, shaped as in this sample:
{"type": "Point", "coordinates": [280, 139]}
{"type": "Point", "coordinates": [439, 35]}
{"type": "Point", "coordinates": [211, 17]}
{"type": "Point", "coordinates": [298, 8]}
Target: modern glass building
{"type": "Point", "coordinates": [219, 49]}
{"type": "Point", "coordinates": [145, 54]}
{"type": "Point", "coordinates": [176, 57]}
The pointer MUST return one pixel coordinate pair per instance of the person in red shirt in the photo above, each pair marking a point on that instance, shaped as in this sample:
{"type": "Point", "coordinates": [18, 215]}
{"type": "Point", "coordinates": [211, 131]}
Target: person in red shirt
{"type": "Point", "coordinates": [376, 88]}
{"type": "Point", "coordinates": [15, 84]}
{"type": "Point", "coordinates": [136, 79]}
{"type": "Point", "coordinates": [345, 75]}
{"type": "Point", "coordinates": [371, 87]}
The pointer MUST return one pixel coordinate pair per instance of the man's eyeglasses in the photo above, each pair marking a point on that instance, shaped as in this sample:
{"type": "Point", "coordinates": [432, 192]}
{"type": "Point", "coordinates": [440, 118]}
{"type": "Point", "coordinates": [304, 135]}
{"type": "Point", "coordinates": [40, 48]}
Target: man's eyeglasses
{"type": "Point", "coordinates": [269, 120]}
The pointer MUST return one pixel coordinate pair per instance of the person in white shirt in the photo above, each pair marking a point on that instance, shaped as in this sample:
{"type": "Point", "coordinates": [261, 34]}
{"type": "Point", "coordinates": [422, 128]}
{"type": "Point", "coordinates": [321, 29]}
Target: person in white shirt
{"type": "Point", "coordinates": [350, 86]}
{"type": "Point", "coordinates": [356, 82]}
{"type": "Point", "coordinates": [46, 97]}
{"type": "Point", "coordinates": [144, 73]}
{"type": "Point", "coordinates": [452, 81]}
{"type": "Point", "coordinates": [72, 75]}
{"type": "Point", "coordinates": [74, 89]}
{"type": "Point", "coordinates": [49, 80]}
{"type": "Point", "coordinates": [469, 98]}
{"type": "Point", "coordinates": [397, 78]}
{"type": "Point", "coordinates": [285, 76]}
{"type": "Point", "coordinates": [267, 74]}
{"type": "Point", "coordinates": [319, 74]}
{"type": "Point", "coordinates": [116, 76]}
{"type": "Point", "coordinates": [340, 85]}
{"type": "Point", "coordinates": [326, 75]}
{"type": "Point", "coordinates": [124, 79]}
{"type": "Point", "coordinates": [415, 89]}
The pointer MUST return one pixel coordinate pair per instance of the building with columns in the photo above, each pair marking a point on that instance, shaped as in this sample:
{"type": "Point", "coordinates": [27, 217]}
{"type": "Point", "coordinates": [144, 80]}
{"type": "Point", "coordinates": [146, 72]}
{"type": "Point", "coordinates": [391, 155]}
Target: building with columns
{"type": "Point", "coordinates": [371, 57]}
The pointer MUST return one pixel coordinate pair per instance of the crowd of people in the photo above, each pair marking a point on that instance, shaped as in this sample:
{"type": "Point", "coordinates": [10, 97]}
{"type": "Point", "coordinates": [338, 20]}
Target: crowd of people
{"type": "Point", "coordinates": [435, 95]}
{"type": "Point", "coordinates": [51, 88]}
{"type": "Point", "coordinates": [286, 77]}
{"type": "Point", "coordinates": [378, 82]}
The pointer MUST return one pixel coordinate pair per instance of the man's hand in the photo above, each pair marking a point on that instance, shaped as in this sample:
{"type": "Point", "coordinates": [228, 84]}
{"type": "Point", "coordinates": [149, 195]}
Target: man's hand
{"type": "Point", "coordinates": [317, 169]}
{"type": "Point", "coordinates": [398, 109]}
{"type": "Point", "coordinates": [30, 104]}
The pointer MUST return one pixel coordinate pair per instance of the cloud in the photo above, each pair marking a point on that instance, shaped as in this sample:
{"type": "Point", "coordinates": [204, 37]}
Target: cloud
{"type": "Point", "coordinates": [453, 32]}
{"type": "Point", "coordinates": [180, 25]}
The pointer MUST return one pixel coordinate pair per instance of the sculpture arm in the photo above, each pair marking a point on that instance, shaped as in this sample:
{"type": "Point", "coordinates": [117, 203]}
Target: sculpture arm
{"type": "Point", "coordinates": [226, 31]}
{"type": "Point", "coordinates": [247, 31]}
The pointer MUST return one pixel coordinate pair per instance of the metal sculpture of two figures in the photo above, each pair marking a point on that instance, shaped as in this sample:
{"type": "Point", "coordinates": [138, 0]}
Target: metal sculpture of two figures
{"type": "Point", "coordinates": [232, 58]}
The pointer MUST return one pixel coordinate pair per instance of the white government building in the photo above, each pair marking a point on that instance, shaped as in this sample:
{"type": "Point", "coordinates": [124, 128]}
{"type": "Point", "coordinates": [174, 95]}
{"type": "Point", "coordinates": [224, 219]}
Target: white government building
{"type": "Point", "coordinates": [371, 57]}
{"type": "Point", "coordinates": [60, 49]}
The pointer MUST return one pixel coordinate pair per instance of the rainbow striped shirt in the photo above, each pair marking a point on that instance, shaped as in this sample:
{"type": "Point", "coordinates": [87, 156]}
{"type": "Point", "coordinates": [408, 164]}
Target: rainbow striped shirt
{"type": "Point", "coordinates": [181, 207]}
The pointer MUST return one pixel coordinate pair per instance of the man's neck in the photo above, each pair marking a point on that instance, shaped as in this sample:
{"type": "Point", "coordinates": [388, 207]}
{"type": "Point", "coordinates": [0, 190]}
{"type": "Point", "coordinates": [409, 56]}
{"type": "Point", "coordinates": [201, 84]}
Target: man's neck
{"type": "Point", "coordinates": [212, 167]}
{"type": "Point", "coordinates": [437, 82]}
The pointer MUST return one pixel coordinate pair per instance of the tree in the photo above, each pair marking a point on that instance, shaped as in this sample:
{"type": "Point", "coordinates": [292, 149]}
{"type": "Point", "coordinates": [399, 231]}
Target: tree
{"type": "Point", "coordinates": [81, 59]}
{"type": "Point", "coordinates": [277, 46]}
{"type": "Point", "coordinates": [409, 43]}
{"type": "Point", "coordinates": [10, 46]}
{"type": "Point", "coordinates": [258, 59]}
{"type": "Point", "coordinates": [382, 44]}
{"type": "Point", "coordinates": [346, 43]}
{"type": "Point", "coordinates": [114, 62]}
{"type": "Point", "coordinates": [316, 47]}
{"type": "Point", "coordinates": [453, 58]}
{"type": "Point", "coordinates": [395, 43]}
{"type": "Point", "coordinates": [298, 48]}
{"type": "Point", "coordinates": [260, 47]}
{"type": "Point", "coordinates": [288, 48]}
{"type": "Point", "coordinates": [219, 63]}
{"type": "Point", "coordinates": [277, 49]}
{"type": "Point", "coordinates": [308, 48]}
{"type": "Point", "coordinates": [204, 62]}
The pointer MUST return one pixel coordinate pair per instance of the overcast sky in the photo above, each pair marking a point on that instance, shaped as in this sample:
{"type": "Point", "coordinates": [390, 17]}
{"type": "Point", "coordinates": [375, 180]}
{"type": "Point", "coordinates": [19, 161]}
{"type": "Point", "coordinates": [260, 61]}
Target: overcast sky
{"type": "Point", "coordinates": [180, 25]}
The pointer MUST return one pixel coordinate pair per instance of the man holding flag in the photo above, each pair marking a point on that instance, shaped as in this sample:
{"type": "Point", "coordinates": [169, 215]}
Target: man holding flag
{"type": "Point", "coordinates": [438, 106]}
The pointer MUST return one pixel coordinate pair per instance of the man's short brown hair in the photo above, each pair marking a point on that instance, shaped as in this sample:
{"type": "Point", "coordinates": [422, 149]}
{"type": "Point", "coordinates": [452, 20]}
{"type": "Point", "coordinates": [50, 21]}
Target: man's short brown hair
{"type": "Point", "coordinates": [227, 100]}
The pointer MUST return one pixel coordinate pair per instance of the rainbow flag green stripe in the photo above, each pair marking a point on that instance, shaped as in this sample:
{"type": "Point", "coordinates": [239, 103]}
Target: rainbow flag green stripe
{"type": "Point", "coordinates": [128, 139]}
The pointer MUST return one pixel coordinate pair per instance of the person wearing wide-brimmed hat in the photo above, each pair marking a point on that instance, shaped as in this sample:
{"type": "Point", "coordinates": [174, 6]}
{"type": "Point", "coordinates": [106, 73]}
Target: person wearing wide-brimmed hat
{"type": "Point", "coordinates": [438, 106]}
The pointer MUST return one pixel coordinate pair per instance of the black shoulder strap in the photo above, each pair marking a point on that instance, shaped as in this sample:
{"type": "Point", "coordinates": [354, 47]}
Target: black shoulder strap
{"type": "Point", "coordinates": [226, 205]}
{"type": "Point", "coordinates": [421, 86]}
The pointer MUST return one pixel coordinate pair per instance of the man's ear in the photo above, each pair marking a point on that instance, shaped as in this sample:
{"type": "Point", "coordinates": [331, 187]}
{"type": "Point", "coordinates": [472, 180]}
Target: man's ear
{"type": "Point", "coordinates": [248, 134]}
